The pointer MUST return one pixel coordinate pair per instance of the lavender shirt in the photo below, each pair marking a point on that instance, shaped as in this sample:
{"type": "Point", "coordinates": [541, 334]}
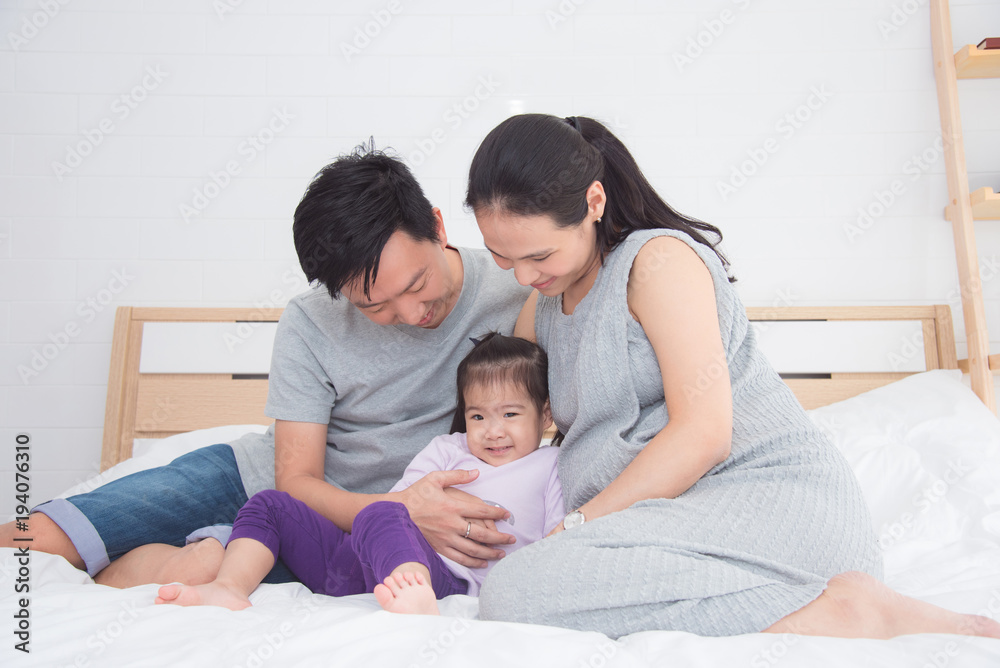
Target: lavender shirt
{"type": "Point", "coordinates": [527, 487]}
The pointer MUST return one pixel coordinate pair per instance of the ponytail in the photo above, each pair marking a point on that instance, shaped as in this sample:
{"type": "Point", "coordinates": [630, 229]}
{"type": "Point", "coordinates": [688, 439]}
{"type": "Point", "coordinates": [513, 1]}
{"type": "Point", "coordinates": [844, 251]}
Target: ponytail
{"type": "Point", "coordinates": [536, 164]}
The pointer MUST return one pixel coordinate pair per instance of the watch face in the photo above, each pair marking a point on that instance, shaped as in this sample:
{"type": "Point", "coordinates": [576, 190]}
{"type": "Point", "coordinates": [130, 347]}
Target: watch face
{"type": "Point", "coordinates": [574, 519]}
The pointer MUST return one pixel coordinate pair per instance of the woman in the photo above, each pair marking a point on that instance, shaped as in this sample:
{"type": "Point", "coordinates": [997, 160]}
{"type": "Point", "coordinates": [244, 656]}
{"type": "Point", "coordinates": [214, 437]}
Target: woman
{"type": "Point", "coordinates": [702, 497]}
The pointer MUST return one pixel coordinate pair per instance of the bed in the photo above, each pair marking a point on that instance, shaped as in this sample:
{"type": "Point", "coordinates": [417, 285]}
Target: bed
{"type": "Point", "coordinates": [924, 446]}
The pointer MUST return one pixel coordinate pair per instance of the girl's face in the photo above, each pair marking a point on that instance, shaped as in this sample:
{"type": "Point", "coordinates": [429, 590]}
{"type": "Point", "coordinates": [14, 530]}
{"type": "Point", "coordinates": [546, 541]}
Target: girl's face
{"type": "Point", "coordinates": [549, 258]}
{"type": "Point", "coordinates": [502, 423]}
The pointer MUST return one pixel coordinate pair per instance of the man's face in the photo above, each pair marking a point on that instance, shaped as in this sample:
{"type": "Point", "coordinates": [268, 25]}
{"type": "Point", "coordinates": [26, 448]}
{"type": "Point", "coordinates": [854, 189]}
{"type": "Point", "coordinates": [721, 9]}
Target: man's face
{"type": "Point", "coordinates": [416, 284]}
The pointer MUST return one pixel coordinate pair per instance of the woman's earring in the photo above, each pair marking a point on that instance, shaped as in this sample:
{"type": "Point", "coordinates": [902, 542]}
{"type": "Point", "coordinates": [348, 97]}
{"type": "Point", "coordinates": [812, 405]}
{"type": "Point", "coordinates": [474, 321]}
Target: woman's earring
{"type": "Point", "coordinates": [598, 220]}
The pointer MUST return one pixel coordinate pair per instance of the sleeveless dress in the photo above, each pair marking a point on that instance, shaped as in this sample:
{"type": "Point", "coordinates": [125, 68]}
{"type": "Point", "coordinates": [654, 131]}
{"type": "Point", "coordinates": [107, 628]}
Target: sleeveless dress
{"type": "Point", "coordinates": [755, 539]}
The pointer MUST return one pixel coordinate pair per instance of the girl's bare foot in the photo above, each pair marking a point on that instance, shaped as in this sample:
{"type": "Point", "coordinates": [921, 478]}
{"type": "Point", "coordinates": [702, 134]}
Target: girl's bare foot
{"type": "Point", "coordinates": [213, 593]}
{"type": "Point", "coordinates": [407, 593]}
{"type": "Point", "coordinates": [856, 605]}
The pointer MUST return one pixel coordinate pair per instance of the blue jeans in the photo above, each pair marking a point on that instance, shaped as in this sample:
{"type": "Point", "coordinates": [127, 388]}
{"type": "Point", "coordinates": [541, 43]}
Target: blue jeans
{"type": "Point", "coordinates": [160, 505]}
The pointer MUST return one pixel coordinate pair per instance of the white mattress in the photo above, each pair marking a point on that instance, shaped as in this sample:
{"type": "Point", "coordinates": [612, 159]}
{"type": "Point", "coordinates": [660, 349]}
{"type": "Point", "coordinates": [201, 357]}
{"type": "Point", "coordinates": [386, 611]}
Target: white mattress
{"type": "Point", "coordinates": [927, 454]}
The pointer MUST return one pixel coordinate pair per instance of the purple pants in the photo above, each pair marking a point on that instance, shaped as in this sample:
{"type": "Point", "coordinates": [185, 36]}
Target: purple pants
{"type": "Point", "coordinates": [330, 561]}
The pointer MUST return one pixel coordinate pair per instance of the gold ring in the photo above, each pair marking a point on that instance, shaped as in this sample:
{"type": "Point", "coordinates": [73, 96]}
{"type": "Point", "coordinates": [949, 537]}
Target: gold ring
{"type": "Point", "coordinates": [468, 530]}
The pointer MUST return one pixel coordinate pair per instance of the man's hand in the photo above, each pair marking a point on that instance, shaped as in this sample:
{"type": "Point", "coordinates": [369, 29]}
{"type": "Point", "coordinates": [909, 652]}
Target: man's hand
{"type": "Point", "coordinates": [443, 515]}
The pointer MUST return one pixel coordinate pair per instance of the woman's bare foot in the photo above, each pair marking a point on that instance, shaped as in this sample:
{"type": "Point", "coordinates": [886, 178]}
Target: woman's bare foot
{"type": "Point", "coordinates": [213, 593]}
{"type": "Point", "coordinates": [407, 593]}
{"type": "Point", "coordinates": [856, 605]}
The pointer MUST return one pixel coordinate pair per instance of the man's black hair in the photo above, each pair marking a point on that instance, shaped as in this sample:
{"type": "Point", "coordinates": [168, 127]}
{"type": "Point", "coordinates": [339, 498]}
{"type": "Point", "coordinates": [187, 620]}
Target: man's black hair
{"type": "Point", "coordinates": [350, 210]}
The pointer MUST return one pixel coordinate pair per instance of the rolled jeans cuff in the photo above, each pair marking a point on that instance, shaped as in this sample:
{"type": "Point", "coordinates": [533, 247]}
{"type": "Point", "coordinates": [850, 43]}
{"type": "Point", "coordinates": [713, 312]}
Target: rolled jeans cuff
{"type": "Point", "coordinates": [219, 532]}
{"type": "Point", "coordinates": [80, 531]}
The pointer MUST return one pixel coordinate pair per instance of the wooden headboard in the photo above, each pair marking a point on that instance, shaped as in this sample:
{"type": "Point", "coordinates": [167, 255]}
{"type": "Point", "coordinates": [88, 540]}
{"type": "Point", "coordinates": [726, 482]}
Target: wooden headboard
{"type": "Point", "coordinates": [157, 405]}
{"type": "Point", "coordinates": [162, 402]}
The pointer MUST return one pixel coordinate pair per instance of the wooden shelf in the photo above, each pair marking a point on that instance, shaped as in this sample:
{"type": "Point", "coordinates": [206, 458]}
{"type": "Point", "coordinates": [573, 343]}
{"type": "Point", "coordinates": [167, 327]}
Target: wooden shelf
{"type": "Point", "coordinates": [994, 361]}
{"type": "Point", "coordinates": [973, 63]}
{"type": "Point", "coordinates": [949, 66]}
{"type": "Point", "coordinates": [985, 204]}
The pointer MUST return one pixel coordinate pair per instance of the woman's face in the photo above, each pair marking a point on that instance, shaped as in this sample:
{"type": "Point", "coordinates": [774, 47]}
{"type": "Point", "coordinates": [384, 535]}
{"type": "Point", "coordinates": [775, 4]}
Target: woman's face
{"type": "Point", "coordinates": [549, 258]}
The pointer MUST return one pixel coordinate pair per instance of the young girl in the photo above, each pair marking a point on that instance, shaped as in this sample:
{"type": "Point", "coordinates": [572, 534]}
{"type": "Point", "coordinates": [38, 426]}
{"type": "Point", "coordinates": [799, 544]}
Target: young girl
{"type": "Point", "coordinates": [502, 409]}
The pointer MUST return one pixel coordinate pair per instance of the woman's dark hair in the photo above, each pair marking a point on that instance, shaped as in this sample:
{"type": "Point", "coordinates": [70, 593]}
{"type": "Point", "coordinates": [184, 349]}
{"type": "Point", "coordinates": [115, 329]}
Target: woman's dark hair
{"type": "Point", "coordinates": [498, 359]}
{"type": "Point", "coordinates": [536, 164]}
{"type": "Point", "coordinates": [350, 210]}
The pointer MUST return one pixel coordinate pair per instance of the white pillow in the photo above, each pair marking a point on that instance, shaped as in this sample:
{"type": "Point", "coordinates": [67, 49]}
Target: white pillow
{"type": "Point", "coordinates": [927, 454]}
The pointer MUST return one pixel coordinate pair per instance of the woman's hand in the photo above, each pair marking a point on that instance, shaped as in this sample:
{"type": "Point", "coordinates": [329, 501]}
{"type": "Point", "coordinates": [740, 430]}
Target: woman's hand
{"type": "Point", "coordinates": [444, 515]}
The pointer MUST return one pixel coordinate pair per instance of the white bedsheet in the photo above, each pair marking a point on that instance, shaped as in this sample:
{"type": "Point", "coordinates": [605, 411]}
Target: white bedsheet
{"type": "Point", "coordinates": [927, 454]}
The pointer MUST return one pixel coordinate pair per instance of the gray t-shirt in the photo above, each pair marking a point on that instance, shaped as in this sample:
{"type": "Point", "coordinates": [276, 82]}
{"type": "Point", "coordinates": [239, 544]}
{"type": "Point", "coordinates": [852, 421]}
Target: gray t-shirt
{"type": "Point", "coordinates": [384, 391]}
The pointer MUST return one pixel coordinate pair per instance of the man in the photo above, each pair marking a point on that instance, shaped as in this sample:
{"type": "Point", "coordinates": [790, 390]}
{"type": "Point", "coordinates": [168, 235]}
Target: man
{"type": "Point", "coordinates": [362, 378]}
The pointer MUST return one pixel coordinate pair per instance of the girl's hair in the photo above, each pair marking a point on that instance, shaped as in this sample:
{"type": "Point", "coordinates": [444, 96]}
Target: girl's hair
{"type": "Point", "coordinates": [498, 359]}
{"type": "Point", "coordinates": [536, 164]}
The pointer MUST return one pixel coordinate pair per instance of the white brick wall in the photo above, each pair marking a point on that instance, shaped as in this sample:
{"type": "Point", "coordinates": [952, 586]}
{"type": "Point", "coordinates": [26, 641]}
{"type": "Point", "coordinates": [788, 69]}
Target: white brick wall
{"type": "Point", "coordinates": [116, 208]}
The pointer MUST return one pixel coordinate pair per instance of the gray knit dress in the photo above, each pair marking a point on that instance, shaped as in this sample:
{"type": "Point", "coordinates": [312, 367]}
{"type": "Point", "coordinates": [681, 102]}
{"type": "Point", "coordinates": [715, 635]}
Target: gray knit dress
{"type": "Point", "coordinates": [755, 539]}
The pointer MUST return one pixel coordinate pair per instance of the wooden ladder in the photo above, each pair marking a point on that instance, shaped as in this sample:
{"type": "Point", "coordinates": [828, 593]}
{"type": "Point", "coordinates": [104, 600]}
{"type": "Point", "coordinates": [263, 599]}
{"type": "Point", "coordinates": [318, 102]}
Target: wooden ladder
{"type": "Point", "coordinates": [949, 66]}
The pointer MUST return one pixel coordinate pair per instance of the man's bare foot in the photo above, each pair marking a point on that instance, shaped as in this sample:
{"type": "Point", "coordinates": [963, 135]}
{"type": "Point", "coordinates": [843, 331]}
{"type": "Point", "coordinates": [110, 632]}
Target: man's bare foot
{"type": "Point", "coordinates": [407, 593]}
{"type": "Point", "coordinates": [157, 563]}
{"type": "Point", "coordinates": [213, 593]}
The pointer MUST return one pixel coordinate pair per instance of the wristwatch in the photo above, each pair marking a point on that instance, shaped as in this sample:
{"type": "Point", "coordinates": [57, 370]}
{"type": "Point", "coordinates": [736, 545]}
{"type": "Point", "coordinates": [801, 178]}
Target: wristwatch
{"type": "Point", "coordinates": [574, 519]}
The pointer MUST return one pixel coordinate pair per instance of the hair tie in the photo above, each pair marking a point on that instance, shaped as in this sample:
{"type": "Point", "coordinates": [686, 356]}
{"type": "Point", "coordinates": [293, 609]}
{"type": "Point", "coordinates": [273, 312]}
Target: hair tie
{"type": "Point", "coordinates": [575, 122]}
{"type": "Point", "coordinates": [475, 342]}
